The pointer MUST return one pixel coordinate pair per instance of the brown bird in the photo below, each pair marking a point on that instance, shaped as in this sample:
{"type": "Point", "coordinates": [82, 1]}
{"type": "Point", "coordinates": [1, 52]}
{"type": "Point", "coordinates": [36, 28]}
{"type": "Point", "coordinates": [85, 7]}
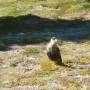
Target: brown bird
{"type": "Point", "coordinates": [53, 51]}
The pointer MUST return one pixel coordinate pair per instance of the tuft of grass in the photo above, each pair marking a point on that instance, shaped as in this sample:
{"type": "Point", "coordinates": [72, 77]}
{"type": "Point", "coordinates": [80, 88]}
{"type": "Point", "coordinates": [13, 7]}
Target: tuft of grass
{"type": "Point", "coordinates": [60, 42]}
{"type": "Point", "coordinates": [13, 63]}
{"type": "Point", "coordinates": [83, 59]}
{"type": "Point", "coordinates": [38, 81]}
{"type": "Point", "coordinates": [79, 60]}
{"type": "Point", "coordinates": [21, 7]}
{"type": "Point", "coordinates": [47, 68]}
{"type": "Point", "coordinates": [10, 79]}
{"type": "Point", "coordinates": [30, 50]}
{"type": "Point", "coordinates": [70, 83]}
{"type": "Point", "coordinates": [32, 81]}
{"type": "Point", "coordinates": [48, 65]}
{"type": "Point", "coordinates": [78, 7]}
{"type": "Point", "coordinates": [42, 72]}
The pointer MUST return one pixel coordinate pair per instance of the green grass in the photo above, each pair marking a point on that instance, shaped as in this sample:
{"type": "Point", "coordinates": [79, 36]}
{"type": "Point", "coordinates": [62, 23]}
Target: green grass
{"type": "Point", "coordinates": [20, 7]}
{"type": "Point", "coordinates": [11, 79]}
{"type": "Point", "coordinates": [71, 78]}
{"type": "Point", "coordinates": [42, 73]}
{"type": "Point", "coordinates": [79, 60]}
{"type": "Point", "coordinates": [30, 51]}
{"type": "Point", "coordinates": [78, 7]}
{"type": "Point", "coordinates": [48, 67]}
{"type": "Point", "coordinates": [17, 18]}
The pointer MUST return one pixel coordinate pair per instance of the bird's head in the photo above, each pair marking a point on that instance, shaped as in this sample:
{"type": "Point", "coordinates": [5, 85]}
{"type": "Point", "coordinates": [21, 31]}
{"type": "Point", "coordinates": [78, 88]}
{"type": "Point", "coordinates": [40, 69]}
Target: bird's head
{"type": "Point", "coordinates": [53, 40]}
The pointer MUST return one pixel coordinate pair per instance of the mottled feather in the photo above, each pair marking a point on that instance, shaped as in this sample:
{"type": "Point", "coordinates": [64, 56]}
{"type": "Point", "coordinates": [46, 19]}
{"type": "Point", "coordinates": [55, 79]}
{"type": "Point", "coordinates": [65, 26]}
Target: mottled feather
{"type": "Point", "coordinates": [53, 52]}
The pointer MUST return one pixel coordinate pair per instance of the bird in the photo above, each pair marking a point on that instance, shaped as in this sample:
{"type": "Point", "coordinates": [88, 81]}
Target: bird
{"type": "Point", "coordinates": [53, 51]}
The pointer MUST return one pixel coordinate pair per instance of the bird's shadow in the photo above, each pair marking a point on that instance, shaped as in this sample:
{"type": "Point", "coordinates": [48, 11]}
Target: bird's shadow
{"type": "Point", "coordinates": [64, 65]}
{"type": "Point", "coordinates": [68, 66]}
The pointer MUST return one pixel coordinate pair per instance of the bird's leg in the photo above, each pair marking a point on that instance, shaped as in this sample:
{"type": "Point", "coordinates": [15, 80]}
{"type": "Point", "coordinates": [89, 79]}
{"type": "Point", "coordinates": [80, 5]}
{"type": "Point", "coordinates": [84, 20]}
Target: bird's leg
{"type": "Point", "coordinates": [59, 62]}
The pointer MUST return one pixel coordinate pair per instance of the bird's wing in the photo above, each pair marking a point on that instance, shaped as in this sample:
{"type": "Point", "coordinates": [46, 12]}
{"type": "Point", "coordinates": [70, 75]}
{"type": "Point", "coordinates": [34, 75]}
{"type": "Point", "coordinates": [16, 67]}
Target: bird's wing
{"type": "Point", "coordinates": [56, 49]}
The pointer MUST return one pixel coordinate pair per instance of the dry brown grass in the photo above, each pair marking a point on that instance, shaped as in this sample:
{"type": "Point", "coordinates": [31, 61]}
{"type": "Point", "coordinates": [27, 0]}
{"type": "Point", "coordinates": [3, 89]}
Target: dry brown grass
{"type": "Point", "coordinates": [19, 70]}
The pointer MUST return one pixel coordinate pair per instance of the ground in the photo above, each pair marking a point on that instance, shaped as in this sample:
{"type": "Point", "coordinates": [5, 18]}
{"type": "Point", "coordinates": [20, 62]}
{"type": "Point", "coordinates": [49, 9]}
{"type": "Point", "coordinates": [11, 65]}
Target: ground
{"type": "Point", "coordinates": [26, 27]}
{"type": "Point", "coordinates": [27, 67]}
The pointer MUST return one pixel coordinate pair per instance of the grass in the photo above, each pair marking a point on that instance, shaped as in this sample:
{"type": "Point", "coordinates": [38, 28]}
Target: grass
{"type": "Point", "coordinates": [66, 77]}
{"type": "Point", "coordinates": [60, 42]}
{"type": "Point", "coordinates": [15, 78]}
{"type": "Point", "coordinates": [37, 81]}
{"type": "Point", "coordinates": [84, 59]}
{"type": "Point", "coordinates": [13, 63]}
{"type": "Point", "coordinates": [15, 8]}
{"type": "Point", "coordinates": [15, 14]}
{"type": "Point", "coordinates": [78, 7]}
{"type": "Point", "coordinates": [30, 50]}
{"type": "Point", "coordinates": [11, 79]}
{"type": "Point", "coordinates": [32, 81]}
{"type": "Point", "coordinates": [18, 16]}
{"type": "Point", "coordinates": [48, 65]}
{"type": "Point", "coordinates": [79, 60]}
{"type": "Point", "coordinates": [41, 73]}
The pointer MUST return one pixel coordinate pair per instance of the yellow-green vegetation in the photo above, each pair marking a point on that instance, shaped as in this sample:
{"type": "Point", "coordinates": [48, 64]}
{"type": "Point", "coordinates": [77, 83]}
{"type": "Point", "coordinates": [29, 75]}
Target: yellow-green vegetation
{"type": "Point", "coordinates": [10, 79]}
{"type": "Point", "coordinates": [48, 67]}
{"type": "Point", "coordinates": [79, 6]}
{"type": "Point", "coordinates": [60, 42]}
{"type": "Point", "coordinates": [13, 63]}
{"type": "Point", "coordinates": [83, 59]}
{"type": "Point", "coordinates": [31, 50]}
{"type": "Point", "coordinates": [37, 81]}
{"type": "Point", "coordinates": [44, 72]}
{"type": "Point", "coordinates": [14, 78]}
{"type": "Point", "coordinates": [23, 59]}
{"type": "Point", "coordinates": [31, 81]}
{"type": "Point", "coordinates": [20, 7]}
{"type": "Point", "coordinates": [79, 60]}
{"type": "Point", "coordinates": [36, 15]}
